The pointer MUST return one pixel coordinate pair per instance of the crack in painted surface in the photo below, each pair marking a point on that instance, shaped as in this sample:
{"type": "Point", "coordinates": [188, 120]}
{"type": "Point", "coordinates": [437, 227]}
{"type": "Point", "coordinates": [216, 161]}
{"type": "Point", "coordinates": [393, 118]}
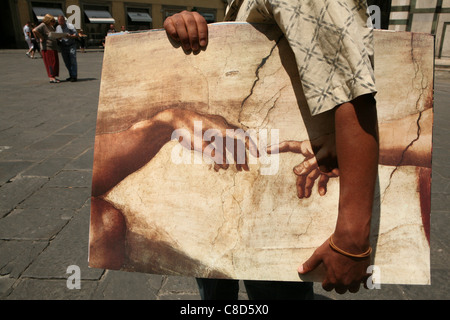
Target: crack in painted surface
{"type": "Point", "coordinates": [257, 78]}
{"type": "Point", "coordinates": [417, 71]}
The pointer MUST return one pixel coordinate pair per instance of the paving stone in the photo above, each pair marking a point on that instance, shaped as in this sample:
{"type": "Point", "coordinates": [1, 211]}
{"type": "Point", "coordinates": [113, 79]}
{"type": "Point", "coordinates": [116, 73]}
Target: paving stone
{"type": "Point", "coordinates": [179, 285]}
{"type": "Point", "coordinates": [84, 161]}
{"type": "Point", "coordinates": [57, 197]}
{"type": "Point", "coordinates": [52, 142]}
{"type": "Point", "coordinates": [48, 167]}
{"type": "Point", "coordinates": [78, 128]}
{"type": "Point", "coordinates": [18, 190]}
{"type": "Point", "coordinates": [72, 178]}
{"type": "Point", "coordinates": [16, 256]}
{"type": "Point", "coordinates": [121, 285]}
{"type": "Point", "coordinates": [6, 284]}
{"type": "Point", "coordinates": [69, 247]}
{"type": "Point", "coordinates": [10, 169]}
{"type": "Point", "coordinates": [34, 224]}
{"type": "Point", "coordinates": [76, 147]}
{"type": "Point", "coordinates": [38, 289]}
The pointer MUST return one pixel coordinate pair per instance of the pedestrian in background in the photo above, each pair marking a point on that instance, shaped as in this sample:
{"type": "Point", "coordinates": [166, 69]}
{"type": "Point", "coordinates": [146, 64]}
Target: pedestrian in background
{"type": "Point", "coordinates": [49, 47]}
{"type": "Point", "coordinates": [68, 47]}
{"type": "Point", "coordinates": [35, 43]}
{"type": "Point", "coordinates": [82, 38]}
{"type": "Point", "coordinates": [28, 36]}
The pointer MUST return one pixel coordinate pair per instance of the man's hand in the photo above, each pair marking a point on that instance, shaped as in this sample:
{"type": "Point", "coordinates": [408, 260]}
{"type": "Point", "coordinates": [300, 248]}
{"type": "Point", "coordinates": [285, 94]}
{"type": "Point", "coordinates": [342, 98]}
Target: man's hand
{"type": "Point", "coordinates": [188, 28]}
{"type": "Point", "coordinates": [311, 169]}
{"type": "Point", "coordinates": [342, 273]}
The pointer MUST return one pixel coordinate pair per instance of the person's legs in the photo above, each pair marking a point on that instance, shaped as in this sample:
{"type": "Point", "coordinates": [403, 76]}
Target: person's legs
{"type": "Point", "coordinates": [54, 66]}
{"type": "Point", "coordinates": [30, 46]}
{"type": "Point", "coordinates": [65, 53]}
{"type": "Point", "coordinates": [48, 62]}
{"type": "Point", "coordinates": [218, 289]}
{"type": "Point", "coordinates": [73, 62]}
{"type": "Point", "coordinates": [279, 290]}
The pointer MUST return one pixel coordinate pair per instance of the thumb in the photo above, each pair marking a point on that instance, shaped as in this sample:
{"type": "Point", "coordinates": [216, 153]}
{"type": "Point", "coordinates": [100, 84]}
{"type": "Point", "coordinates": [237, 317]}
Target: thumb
{"type": "Point", "coordinates": [313, 262]}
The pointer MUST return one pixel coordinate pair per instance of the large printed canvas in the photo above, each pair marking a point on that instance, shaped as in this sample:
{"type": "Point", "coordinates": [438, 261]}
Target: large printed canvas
{"type": "Point", "coordinates": [163, 202]}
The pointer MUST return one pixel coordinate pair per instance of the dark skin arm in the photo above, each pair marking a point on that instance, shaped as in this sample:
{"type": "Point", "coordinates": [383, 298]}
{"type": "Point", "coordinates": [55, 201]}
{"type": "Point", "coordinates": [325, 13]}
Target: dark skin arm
{"type": "Point", "coordinates": [357, 153]}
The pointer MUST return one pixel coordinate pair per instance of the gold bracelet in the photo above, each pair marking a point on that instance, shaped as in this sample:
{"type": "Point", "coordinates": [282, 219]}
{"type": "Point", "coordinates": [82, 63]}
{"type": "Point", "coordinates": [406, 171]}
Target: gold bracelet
{"type": "Point", "coordinates": [362, 255]}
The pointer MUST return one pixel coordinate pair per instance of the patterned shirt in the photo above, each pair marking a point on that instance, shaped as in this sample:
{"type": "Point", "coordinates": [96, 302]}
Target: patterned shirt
{"type": "Point", "coordinates": [332, 41]}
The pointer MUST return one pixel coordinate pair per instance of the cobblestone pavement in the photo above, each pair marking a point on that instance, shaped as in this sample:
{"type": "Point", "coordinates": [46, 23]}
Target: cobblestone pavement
{"type": "Point", "coordinates": [46, 153]}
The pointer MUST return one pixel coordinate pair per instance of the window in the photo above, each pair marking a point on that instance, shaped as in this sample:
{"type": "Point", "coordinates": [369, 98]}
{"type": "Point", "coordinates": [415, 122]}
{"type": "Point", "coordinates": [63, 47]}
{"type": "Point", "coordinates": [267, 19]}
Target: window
{"type": "Point", "coordinates": [97, 20]}
{"type": "Point", "coordinates": [210, 15]}
{"type": "Point", "coordinates": [138, 19]}
{"type": "Point", "coordinates": [171, 10]}
{"type": "Point", "coordinates": [40, 9]}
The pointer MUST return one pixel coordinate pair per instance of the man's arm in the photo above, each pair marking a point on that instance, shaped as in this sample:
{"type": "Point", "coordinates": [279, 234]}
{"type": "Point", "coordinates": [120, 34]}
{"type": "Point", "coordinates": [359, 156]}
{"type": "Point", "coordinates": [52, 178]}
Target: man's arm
{"type": "Point", "coordinates": [357, 153]}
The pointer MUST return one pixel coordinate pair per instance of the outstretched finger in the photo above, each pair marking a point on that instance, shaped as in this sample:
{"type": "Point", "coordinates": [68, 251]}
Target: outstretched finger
{"type": "Point", "coordinates": [300, 185]}
{"type": "Point", "coordinates": [309, 183]}
{"type": "Point", "coordinates": [287, 146]}
{"type": "Point", "coordinates": [240, 155]}
{"type": "Point", "coordinates": [306, 166]}
{"type": "Point", "coordinates": [252, 147]}
{"type": "Point", "coordinates": [322, 184]}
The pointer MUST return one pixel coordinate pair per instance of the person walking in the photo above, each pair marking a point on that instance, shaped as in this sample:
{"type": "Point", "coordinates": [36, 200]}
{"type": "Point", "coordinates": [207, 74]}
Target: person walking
{"type": "Point", "coordinates": [49, 47]}
{"type": "Point", "coordinates": [27, 34]}
{"type": "Point", "coordinates": [68, 47]}
{"type": "Point", "coordinates": [35, 43]}
{"type": "Point", "coordinates": [82, 37]}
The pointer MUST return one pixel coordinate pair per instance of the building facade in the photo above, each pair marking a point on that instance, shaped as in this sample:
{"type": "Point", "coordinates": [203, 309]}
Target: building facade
{"type": "Point", "coordinates": [429, 16]}
{"type": "Point", "coordinates": [97, 15]}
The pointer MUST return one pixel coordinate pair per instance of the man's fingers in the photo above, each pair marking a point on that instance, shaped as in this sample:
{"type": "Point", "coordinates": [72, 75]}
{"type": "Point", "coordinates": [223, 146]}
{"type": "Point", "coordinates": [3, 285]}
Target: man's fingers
{"type": "Point", "coordinates": [192, 41]}
{"type": "Point", "coordinates": [188, 28]}
{"type": "Point", "coordinates": [306, 166]}
{"type": "Point", "coordinates": [187, 31]}
{"type": "Point", "coordinates": [354, 288]}
{"type": "Point", "coordinates": [300, 184]}
{"type": "Point", "coordinates": [169, 26]}
{"type": "Point", "coordinates": [322, 184]}
{"type": "Point", "coordinates": [312, 263]}
{"type": "Point", "coordinates": [310, 179]}
{"type": "Point", "coordinates": [327, 286]}
{"type": "Point", "coordinates": [202, 28]}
